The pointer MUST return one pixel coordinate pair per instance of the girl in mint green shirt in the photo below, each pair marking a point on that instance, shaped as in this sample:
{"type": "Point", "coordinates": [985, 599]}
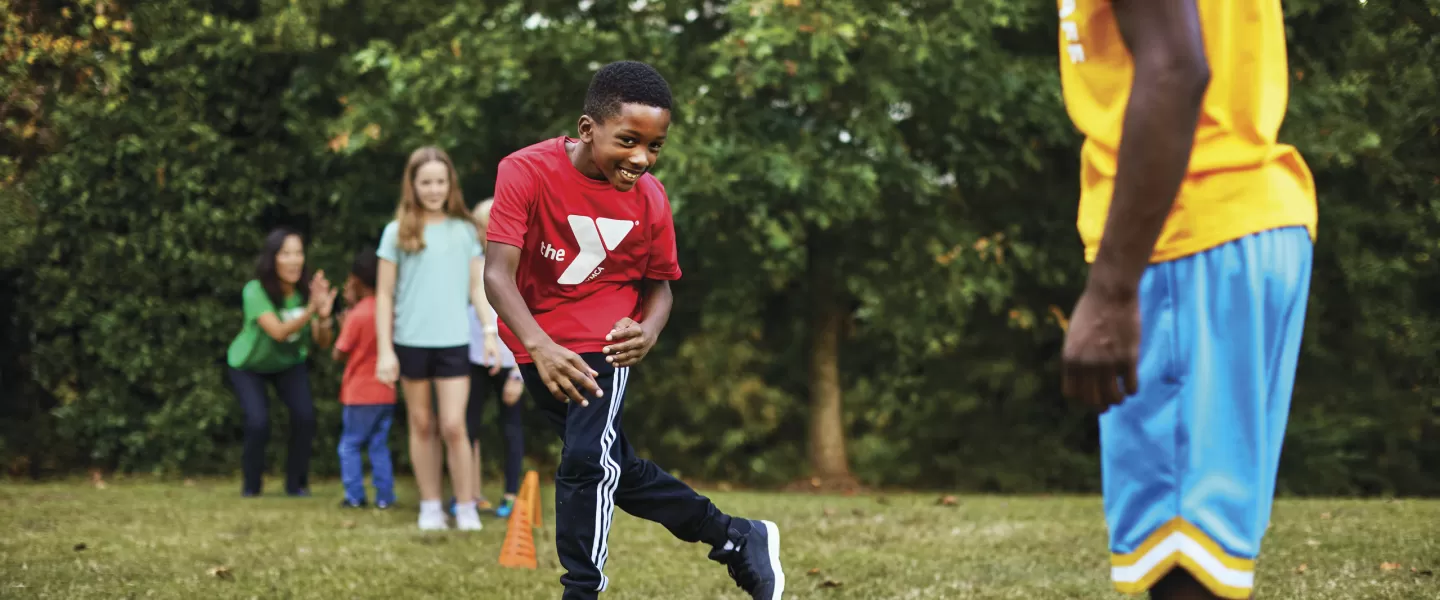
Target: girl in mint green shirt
{"type": "Point", "coordinates": [281, 318]}
{"type": "Point", "coordinates": [429, 278]}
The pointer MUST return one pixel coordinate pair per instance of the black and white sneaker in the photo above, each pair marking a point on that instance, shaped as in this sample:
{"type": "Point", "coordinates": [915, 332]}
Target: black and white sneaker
{"type": "Point", "coordinates": [753, 558]}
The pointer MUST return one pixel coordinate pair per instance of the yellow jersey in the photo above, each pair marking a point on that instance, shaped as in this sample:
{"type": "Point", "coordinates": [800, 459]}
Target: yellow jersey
{"type": "Point", "coordinates": [1240, 179]}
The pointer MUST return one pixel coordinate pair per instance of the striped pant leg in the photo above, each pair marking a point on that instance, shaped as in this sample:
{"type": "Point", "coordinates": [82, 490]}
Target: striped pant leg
{"type": "Point", "coordinates": [599, 471]}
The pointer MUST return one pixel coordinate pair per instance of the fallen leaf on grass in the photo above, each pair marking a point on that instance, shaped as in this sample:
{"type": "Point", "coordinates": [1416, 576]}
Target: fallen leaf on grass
{"type": "Point", "coordinates": [347, 524]}
{"type": "Point", "coordinates": [1300, 570]}
{"type": "Point", "coordinates": [815, 571]}
{"type": "Point", "coordinates": [948, 501]}
{"type": "Point", "coordinates": [221, 573]}
{"type": "Point", "coordinates": [1389, 566]}
{"type": "Point", "coordinates": [831, 583]}
{"type": "Point", "coordinates": [80, 546]}
{"type": "Point", "coordinates": [1422, 572]}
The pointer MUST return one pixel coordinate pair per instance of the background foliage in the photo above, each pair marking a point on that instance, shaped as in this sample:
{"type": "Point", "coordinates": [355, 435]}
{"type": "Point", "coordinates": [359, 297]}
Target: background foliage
{"type": "Point", "coordinates": [904, 166]}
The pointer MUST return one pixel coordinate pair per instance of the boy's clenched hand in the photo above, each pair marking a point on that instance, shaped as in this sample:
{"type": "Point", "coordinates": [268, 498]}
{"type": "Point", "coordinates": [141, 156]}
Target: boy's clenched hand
{"type": "Point", "coordinates": [633, 343]}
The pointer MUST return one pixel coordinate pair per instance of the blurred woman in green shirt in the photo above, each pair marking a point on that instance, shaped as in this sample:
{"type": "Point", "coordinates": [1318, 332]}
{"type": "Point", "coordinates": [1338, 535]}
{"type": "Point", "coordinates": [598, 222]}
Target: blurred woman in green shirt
{"type": "Point", "coordinates": [280, 314]}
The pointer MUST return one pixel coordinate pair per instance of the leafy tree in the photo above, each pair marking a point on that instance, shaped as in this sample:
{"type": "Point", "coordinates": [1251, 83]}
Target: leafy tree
{"type": "Point", "coordinates": [875, 200]}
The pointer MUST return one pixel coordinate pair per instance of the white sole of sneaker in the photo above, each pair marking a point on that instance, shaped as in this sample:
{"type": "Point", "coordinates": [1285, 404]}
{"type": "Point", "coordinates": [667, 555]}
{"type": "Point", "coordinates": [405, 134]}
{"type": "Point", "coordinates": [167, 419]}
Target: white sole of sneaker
{"type": "Point", "coordinates": [772, 536]}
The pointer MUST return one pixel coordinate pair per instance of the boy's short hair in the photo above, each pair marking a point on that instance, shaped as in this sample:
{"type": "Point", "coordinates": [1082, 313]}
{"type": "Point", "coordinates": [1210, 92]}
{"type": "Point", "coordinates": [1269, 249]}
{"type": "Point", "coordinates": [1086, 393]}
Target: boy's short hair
{"type": "Point", "coordinates": [366, 267]}
{"type": "Point", "coordinates": [625, 82]}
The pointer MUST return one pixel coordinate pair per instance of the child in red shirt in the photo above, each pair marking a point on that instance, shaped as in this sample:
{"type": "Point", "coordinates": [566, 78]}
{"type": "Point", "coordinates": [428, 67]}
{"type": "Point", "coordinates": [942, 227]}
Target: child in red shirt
{"type": "Point", "coordinates": [581, 250]}
{"type": "Point", "coordinates": [369, 403]}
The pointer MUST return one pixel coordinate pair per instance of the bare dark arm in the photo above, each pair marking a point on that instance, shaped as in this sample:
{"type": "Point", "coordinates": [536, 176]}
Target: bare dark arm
{"type": "Point", "coordinates": [1102, 346]}
{"type": "Point", "coordinates": [560, 369]}
{"type": "Point", "coordinates": [501, 260]}
{"type": "Point", "coordinates": [655, 311]}
{"type": "Point", "coordinates": [629, 341]}
{"type": "Point", "coordinates": [1171, 76]}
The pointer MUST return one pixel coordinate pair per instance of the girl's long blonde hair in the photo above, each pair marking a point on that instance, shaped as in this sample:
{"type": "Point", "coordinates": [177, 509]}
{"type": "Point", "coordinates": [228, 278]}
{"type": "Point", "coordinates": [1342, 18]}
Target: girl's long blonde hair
{"type": "Point", "coordinates": [410, 215]}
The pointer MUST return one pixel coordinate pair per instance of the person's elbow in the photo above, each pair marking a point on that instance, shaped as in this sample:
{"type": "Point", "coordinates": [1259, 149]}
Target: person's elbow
{"type": "Point", "coordinates": [493, 276]}
{"type": "Point", "coordinates": [1179, 70]}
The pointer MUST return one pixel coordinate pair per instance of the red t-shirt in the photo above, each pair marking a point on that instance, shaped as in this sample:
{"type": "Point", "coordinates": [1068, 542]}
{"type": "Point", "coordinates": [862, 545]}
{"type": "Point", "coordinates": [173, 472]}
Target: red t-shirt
{"type": "Point", "coordinates": [584, 247]}
{"type": "Point", "coordinates": [357, 339]}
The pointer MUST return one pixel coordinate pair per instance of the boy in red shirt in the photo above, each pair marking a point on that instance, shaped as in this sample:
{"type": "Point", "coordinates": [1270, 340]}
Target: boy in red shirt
{"type": "Point", "coordinates": [369, 403]}
{"type": "Point", "coordinates": [581, 253]}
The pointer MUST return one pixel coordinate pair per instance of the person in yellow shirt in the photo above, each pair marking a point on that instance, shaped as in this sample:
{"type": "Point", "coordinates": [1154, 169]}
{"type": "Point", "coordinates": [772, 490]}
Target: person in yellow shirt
{"type": "Point", "coordinates": [1199, 229]}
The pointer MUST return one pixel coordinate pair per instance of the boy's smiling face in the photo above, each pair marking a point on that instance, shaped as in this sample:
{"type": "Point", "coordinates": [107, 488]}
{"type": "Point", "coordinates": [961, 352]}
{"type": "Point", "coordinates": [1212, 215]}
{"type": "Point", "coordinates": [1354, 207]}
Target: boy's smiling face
{"type": "Point", "coordinates": [627, 144]}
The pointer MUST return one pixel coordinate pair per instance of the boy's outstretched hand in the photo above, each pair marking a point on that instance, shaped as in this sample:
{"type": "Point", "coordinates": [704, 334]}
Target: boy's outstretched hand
{"type": "Point", "coordinates": [634, 342]}
{"type": "Point", "coordinates": [561, 370]}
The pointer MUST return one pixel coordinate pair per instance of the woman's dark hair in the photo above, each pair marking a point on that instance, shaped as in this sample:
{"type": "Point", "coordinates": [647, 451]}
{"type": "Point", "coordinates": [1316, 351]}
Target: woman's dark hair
{"type": "Point", "coordinates": [265, 268]}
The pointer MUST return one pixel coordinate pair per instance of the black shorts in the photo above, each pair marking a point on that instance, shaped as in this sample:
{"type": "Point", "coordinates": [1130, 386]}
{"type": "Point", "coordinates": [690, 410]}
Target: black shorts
{"type": "Point", "coordinates": [433, 363]}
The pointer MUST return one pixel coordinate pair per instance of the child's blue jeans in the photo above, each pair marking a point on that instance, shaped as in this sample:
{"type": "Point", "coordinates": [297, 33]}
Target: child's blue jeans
{"type": "Point", "coordinates": [367, 425]}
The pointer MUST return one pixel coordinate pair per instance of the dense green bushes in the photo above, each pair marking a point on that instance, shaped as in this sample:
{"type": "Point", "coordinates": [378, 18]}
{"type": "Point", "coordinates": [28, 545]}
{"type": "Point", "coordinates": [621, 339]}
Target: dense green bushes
{"type": "Point", "coordinates": [924, 155]}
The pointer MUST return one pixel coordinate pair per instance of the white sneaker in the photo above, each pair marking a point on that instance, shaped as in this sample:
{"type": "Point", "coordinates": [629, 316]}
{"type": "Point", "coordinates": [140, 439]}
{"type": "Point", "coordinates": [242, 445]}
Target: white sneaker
{"type": "Point", "coordinates": [433, 520]}
{"type": "Point", "coordinates": [467, 518]}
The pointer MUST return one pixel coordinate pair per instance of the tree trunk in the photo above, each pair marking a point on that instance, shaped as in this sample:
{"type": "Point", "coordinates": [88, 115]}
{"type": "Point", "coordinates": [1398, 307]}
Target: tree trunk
{"type": "Point", "coordinates": [829, 463]}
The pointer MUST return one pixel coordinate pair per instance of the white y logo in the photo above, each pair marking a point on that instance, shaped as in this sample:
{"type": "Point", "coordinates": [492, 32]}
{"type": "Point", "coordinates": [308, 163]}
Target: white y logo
{"type": "Point", "coordinates": [595, 237]}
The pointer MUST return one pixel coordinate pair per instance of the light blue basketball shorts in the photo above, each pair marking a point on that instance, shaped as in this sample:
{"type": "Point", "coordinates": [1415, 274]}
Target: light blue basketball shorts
{"type": "Point", "coordinates": [1188, 463]}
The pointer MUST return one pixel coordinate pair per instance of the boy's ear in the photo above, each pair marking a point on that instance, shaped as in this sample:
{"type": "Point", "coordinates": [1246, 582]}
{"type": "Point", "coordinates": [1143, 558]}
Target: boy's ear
{"type": "Point", "coordinates": [586, 127]}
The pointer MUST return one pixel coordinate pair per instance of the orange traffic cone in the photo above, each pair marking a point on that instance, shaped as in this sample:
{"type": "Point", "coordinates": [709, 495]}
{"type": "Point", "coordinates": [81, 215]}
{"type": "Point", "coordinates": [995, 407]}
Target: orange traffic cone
{"type": "Point", "coordinates": [519, 548]}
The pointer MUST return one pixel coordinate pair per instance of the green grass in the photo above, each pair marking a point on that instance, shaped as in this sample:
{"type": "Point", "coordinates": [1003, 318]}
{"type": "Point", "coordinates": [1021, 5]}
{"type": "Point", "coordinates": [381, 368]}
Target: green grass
{"type": "Point", "coordinates": [149, 539]}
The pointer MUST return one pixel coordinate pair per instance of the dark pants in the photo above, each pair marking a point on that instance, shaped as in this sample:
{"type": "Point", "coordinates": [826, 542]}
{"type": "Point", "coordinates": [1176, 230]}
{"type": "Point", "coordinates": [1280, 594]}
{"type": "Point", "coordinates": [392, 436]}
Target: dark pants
{"type": "Point", "coordinates": [599, 471]}
{"type": "Point", "coordinates": [293, 387]}
{"type": "Point", "coordinates": [483, 385]}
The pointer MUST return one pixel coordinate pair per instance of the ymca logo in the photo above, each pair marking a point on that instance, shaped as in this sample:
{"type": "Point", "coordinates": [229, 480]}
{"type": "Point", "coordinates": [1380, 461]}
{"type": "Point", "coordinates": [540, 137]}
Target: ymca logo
{"type": "Point", "coordinates": [595, 237]}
